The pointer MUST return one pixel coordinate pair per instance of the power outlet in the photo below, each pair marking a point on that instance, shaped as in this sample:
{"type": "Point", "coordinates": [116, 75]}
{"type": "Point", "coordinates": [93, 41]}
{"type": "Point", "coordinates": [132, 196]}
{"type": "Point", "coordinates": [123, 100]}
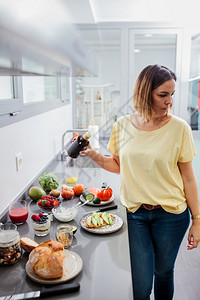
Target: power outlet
{"type": "Point", "coordinates": [19, 161]}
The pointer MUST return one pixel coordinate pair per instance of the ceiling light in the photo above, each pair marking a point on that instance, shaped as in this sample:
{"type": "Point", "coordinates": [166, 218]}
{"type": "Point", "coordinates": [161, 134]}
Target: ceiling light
{"type": "Point", "coordinates": [136, 50]}
{"type": "Point", "coordinates": [148, 35]}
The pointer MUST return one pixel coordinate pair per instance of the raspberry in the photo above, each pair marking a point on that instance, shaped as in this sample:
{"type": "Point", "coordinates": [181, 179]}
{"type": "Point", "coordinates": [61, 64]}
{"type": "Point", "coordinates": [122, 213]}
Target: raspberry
{"type": "Point", "coordinates": [37, 218]}
{"type": "Point", "coordinates": [34, 217]}
{"type": "Point", "coordinates": [41, 214]}
{"type": "Point", "coordinates": [43, 197]}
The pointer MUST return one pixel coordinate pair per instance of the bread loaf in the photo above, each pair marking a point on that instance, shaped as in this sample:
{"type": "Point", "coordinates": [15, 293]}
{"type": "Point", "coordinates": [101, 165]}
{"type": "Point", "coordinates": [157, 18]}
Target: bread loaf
{"type": "Point", "coordinates": [46, 260]}
{"type": "Point", "coordinates": [28, 244]}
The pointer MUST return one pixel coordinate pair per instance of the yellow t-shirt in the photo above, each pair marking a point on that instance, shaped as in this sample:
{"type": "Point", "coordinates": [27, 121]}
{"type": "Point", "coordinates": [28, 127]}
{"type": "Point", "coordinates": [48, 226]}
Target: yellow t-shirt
{"type": "Point", "coordinates": [148, 163]}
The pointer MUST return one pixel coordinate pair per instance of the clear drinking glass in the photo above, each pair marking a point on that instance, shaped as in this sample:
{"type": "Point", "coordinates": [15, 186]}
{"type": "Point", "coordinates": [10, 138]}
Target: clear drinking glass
{"type": "Point", "coordinates": [64, 235]}
{"type": "Point", "coordinates": [42, 227]}
{"type": "Point", "coordinates": [18, 212]}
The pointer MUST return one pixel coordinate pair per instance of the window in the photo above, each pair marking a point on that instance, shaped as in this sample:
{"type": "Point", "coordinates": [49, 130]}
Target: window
{"type": "Point", "coordinates": [6, 88]}
{"type": "Point", "coordinates": [39, 88]}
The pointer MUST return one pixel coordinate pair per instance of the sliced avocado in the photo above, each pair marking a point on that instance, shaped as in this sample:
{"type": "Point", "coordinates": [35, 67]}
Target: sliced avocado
{"type": "Point", "coordinates": [109, 219]}
{"type": "Point", "coordinates": [101, 220]}
{"type": "Point", "coordinates": [105, 218]}
{"type": "Point", "coordinates": [94, 221]}
{"type": "Point", "coordinates": [74, 229]}
{"type": "Point", "coordinates": [98, 220]}
{"type": "Point", "coordinates": [89, 220]}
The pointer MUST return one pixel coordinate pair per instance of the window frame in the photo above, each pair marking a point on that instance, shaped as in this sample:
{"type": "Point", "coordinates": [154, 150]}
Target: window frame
{"type": "Point", "coordinates": [14, 110]}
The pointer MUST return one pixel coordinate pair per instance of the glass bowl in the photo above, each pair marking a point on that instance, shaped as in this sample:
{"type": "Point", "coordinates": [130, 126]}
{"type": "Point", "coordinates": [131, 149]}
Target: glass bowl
{"type": "Point", "coordinates": [63, 214]}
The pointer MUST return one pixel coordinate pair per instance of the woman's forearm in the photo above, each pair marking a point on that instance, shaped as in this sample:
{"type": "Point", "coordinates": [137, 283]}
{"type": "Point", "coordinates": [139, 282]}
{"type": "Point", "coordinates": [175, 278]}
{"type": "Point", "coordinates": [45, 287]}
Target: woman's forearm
{"type": "Point", "coordinates": [110, 164]}
{"type": "Point", "coordinates": [191, 194]}
{"type": "Point", "coordinates": [190, 187]}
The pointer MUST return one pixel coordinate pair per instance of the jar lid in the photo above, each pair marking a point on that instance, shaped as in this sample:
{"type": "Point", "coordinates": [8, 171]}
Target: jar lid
{"type": "Point", "coordinates": [8, 237]}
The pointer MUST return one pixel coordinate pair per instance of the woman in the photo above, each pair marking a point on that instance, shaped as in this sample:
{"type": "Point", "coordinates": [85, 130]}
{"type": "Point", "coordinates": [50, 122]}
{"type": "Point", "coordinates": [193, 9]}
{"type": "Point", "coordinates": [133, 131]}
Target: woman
{"type": "Point", "coordinates": [153, 151]}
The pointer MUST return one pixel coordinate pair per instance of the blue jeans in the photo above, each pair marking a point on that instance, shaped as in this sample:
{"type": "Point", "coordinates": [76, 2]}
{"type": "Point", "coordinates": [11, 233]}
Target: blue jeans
{"type": "Point", "coordinates": [154, 239]}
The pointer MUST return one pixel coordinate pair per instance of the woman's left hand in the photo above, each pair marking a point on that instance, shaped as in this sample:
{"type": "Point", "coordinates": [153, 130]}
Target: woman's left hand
{"type": "Point", "coordinates": [194, 235]}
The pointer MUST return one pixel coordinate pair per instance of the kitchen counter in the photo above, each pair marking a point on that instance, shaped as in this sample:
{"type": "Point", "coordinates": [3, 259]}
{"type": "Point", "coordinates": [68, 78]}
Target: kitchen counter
{"type": "Point", "coordinates": [106, 269]}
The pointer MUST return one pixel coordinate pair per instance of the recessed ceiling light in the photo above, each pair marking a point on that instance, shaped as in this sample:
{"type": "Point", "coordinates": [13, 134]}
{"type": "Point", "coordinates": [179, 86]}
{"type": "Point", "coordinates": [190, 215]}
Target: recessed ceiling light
{"type": "Point", "coordinates": [136, 50]}
{"type": "Point", "coordinates": [148, 35]}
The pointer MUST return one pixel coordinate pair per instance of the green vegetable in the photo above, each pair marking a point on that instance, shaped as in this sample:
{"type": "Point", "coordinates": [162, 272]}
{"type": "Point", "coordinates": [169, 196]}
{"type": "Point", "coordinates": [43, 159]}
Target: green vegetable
{"type": "Point", "coordinates": [89, 219]}
{"type": "Point", "coordinates": [48, 181]}
{"type": "Point", "coordinates": [105, 218]}
{"type": "Point", "coordinates": [87, 195]}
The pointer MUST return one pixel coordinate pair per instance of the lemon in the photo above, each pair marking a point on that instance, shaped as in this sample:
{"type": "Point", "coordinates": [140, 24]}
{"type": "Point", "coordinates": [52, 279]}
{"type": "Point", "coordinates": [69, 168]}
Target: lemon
{"type": "Point", "coordinates": [71, 179]}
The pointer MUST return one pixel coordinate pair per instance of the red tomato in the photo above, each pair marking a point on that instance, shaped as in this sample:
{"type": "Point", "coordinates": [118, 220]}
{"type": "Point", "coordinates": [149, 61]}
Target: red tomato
{"type": "Point", "coordinates": [78, 189]}
{"type": "Point", "coordinates": [105, 194]}
{"type": "Point", "coordinates": [67, 193]}
{"type": "Point", "coordinates": [94, 191]}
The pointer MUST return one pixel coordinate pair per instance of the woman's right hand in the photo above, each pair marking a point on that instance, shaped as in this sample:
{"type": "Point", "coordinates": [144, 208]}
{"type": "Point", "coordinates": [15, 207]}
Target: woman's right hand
{"type": "Point", "coordinates": [89, 151]}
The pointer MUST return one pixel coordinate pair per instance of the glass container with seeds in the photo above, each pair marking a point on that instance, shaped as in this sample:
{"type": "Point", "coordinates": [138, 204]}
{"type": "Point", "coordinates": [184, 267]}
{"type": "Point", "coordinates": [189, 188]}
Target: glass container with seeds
{"type": "Point", "coordinates": [64, 235]}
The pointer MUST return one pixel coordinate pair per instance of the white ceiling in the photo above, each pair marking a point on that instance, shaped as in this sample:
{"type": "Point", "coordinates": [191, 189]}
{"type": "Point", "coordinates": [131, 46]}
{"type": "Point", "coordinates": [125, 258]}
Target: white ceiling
{"type": "Point", "coordinates": [184, 13]}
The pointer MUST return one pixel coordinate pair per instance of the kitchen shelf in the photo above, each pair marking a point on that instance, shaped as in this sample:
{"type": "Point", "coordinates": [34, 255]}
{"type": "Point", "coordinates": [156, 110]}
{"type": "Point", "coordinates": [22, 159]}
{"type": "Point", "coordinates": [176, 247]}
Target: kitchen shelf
{"type": "Point", "coordinates": [97, 110]}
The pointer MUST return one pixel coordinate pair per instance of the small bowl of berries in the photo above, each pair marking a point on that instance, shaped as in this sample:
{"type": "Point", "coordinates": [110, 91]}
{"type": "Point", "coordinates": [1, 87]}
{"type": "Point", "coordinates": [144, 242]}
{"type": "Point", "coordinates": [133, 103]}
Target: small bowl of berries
{"type": "Point", "coordinates": [41, 224]}
{"type": "Point", "coordinates": [48, 202]}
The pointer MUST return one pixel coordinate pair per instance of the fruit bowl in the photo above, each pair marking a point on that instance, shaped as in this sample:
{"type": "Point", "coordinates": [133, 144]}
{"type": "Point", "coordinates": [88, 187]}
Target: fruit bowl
{"type": "Point", "coordinates": [48, 202]}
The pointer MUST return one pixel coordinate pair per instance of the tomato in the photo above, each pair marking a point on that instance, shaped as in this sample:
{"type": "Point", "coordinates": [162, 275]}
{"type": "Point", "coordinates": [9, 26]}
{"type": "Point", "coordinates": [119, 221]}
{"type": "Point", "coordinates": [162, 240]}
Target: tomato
{"type": "Point", "coordinates": [78, 189]}
{"type": "Point", "coordinates": [105, 194]}
{"type": "Point", "coordinates": [94, 191]}
{"type": "Point", "coordinates": [67, 193]}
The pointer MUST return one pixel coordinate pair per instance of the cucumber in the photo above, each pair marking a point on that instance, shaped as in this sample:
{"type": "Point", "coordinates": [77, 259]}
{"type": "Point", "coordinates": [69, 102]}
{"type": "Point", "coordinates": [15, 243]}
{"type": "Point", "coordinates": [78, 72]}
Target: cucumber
{"type": "Point", "coordinates": [87, 195]}
{"type": "Point", "coordinates": [96, 200]}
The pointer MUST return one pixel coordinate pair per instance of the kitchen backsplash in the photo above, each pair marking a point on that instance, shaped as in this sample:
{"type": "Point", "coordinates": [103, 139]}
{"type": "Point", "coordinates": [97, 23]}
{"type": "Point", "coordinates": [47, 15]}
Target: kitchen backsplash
{"type": "Point", "coordinates": [38, 139]}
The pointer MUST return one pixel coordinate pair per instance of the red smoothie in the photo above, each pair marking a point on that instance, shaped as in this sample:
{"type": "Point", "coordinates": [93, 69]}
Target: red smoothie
{"type": "Point", "coordinates": [18, 215]}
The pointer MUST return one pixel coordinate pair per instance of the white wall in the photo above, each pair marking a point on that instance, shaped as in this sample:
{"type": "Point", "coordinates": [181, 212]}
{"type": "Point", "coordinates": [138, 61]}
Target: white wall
{"type": "Point", "coordinates": [39, 140]}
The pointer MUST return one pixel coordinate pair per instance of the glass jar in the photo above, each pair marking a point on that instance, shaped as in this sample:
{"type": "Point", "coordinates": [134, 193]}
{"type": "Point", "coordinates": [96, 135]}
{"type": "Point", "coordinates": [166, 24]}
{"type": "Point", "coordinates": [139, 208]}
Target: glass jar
{"type": "Point", "coordinates": [64, 235]}
{"type": "Point", "coordinates": [10, 248]}
{"type": "Point", "coordinates": [42, 227]}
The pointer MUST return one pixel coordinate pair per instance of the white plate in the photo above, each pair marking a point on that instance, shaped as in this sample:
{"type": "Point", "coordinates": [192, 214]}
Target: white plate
{"type": "Point", "coordinates": [72, 265]}
{"type": "Point", "coordinates": [116, 225]}
{"type": "Point", "coordinates": [102, 203]}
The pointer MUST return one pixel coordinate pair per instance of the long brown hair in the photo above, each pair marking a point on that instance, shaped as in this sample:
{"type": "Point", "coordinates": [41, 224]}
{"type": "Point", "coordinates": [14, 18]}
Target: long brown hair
{"type": "Point", "coordinates": [149, 79]}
